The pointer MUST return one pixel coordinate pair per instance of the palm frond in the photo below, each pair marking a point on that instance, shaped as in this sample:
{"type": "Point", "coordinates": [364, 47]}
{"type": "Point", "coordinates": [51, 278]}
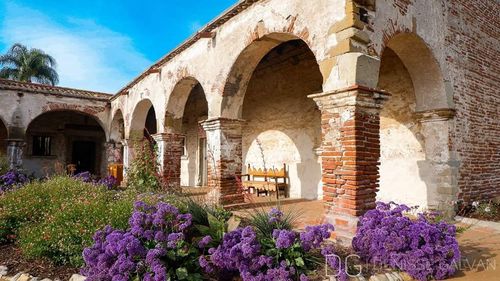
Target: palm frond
{"type": "Point", "coordinates": [29, 65]}
{"type": "Point", "coordinates": [9, 73]}
{"type": "Point", "coordinates": [9, 60]}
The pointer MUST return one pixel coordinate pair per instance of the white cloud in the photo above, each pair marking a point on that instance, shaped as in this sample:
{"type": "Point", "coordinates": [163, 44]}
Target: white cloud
{"type": "Point", "coordinates": [195, 26]}
{"type": "Point", "coordinates": [89, 56]}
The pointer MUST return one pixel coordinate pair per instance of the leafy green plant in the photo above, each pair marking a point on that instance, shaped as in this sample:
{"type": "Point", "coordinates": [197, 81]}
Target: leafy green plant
{"type": "Point", "coordinates": [57, 218]}
{"type": "Point", "coordinates": [265, 222]}
{"type": "Point", "coordinates": [209, 220]}
{"type": "Point", "coordinates": [4, 164]}
{"type": "Point", "coordinates": [142, 174]}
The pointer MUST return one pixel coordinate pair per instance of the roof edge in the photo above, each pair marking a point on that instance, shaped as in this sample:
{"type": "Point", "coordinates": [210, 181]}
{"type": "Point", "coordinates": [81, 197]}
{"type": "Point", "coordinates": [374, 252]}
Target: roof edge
{"type": "Point", "coordinates": [225, 16]}
{"type": "Point", "coordinates": [8, 84]}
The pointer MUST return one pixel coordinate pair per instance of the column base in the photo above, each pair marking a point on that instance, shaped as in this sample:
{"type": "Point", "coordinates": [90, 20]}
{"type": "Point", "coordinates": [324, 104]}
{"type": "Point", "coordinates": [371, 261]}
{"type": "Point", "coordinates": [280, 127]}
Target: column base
{"type": "Point", "coordinates": [230, 199]}
{"type": "Point", "coordinates": [345, 226]}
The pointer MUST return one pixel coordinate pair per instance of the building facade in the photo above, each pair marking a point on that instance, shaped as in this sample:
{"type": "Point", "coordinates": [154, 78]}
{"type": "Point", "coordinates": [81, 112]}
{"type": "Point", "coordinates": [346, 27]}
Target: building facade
{"type": "Point", "coordinates": [363, 100]}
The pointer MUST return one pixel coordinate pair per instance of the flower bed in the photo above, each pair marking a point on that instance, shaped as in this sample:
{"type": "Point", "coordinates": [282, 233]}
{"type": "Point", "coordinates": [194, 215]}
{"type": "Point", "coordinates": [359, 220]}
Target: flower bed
{"type": "Point", "coordinates": [163, 242]}
{"type": "Point", "coordinates": [423, 249]}
{"type": "Point", "coordinates": [56, 218]}
{"type": "Point", "coordinates": [12, 179]}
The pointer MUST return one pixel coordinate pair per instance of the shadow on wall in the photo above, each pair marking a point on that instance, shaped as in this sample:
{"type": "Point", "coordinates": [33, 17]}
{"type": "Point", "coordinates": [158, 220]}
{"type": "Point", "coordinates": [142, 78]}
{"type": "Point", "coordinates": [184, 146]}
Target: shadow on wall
{"type": "Point", "coordinates": [273, 148]}
{"type": "Point", "coordinates": [3, 138]}
{"type": "Point", "coordinates": [401, 140]}
{"type": "Point", "coordinates": [415, 160]}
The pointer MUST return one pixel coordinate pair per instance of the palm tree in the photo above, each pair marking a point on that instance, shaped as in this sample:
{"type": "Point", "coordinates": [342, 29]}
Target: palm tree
{"type": "Point", "coordinates": [28, 65]}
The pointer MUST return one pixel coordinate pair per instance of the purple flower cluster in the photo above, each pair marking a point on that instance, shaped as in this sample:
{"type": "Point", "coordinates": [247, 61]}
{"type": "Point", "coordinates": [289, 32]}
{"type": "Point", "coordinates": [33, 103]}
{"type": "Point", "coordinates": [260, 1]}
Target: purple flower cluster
{"type": "Point", "coordinates": [85, 177]}
{"type": "Point", "coordinates": [241, 252]}
{"type": "Point", "coordinates": [275, 215]}
{"type": "Point", "coordinates": [154, 248]}
{"type": "Point", "coordinates": [280, 257]}
{"type": "Point", "coordinates": [109, 181]}
{"type": "Point", "coordinates": [114, 256]}
{"type": "Point", "coordinates": [423, 249]}
{"type": "Point", "coordinates": [313, 236]}
{"type": "Point", "coordinates": [12, 180]}
{"type": "Point", "coordinates": [284, 238]}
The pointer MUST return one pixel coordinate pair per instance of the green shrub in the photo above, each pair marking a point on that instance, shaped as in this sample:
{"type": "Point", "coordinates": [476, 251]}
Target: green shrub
{"type": "Point", "coordinates": [142, 175]}
{"type": "Point", "coordinates": [4, 164]}
{"type": "Point", "coordinates": [57, 218]}
{"type": "Point", "coordinates": [264, 226]}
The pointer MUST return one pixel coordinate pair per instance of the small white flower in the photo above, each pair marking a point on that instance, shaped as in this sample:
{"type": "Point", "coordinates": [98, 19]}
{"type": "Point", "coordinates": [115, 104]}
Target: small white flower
{"type": "Point", "coordinates": [487, 209]}
{"type": "Point", "coordinates": [475, 203]}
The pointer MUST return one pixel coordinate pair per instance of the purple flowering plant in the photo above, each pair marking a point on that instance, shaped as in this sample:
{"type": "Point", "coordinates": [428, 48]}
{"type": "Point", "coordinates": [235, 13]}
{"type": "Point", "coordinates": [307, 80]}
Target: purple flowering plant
{"type": "Point", "coordinates": [257, 255]}
{"type": "Point", "coordinates": [423, 248]}
{"type": "Point", "coordinates": [12, 179]}
{"type": "Point", "coordinates": [158, 245]}
{"type": "Point", "coordinates": [109, 182]}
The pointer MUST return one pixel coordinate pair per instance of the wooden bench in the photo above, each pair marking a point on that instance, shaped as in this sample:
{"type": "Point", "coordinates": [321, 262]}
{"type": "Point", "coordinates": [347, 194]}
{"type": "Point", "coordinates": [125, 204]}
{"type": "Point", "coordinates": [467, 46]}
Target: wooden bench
{"type": "Point", "coordinates": [264, 181]}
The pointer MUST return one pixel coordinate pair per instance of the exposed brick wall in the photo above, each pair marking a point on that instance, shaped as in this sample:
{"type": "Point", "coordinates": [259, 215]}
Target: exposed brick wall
{"type": "Point", "coordinates": [224, 145]}
{"type": "Point", "coordinates": [172, 150]}
{"type": "Point", "coordinates": [350, 121]}
{"type": "Point", "coordinates": [473, 59]}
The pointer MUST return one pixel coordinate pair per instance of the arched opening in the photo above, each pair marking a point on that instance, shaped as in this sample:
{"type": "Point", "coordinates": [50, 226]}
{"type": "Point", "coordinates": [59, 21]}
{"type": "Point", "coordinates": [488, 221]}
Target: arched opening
{"type": "Point", "coordinates": [144, 122]}
{"type": "Point", "coordinates": [116, 137]}
{"type": "Point", "coordinates": [186, 109]}
{"type": "Point", "coordinates": [59, 141]}
{"type": "Point", "coordinates": [117, 132]}
{"type": "Point", "coordinates": [3, 139]}
{"type": "Point", "coordinates": [282, 125]}
{"type": "Point", "coordinates": [409, 172]}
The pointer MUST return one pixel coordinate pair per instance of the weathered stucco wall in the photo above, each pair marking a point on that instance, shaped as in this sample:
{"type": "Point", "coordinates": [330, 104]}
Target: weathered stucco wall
{"type": "Point", "coordinates": [196, 110]}
{"type": "Point", "coordinates": [210, 61]}
{"type": "Point", "coordinates": [401, 139]}
{"type": "Point", "coordinates": [19, 108]}
{"type": "Point", "coordinates": [283, 125]}
{"type": "Point", "coordinates": [22, 109]}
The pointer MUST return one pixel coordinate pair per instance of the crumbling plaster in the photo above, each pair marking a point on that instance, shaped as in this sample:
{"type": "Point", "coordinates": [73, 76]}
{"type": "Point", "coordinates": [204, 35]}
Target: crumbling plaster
{"type": "Point", "coordinates": [19, 109]}
{"type": "Point", "coordinates": [211, 61]}
{"type": "Point", "coordinates": [426, 19]}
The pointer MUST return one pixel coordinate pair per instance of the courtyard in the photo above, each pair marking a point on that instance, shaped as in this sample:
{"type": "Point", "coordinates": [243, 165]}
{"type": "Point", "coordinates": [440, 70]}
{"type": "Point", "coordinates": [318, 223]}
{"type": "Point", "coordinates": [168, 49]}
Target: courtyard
{"type": "Point", "coordinates": [275, 137]}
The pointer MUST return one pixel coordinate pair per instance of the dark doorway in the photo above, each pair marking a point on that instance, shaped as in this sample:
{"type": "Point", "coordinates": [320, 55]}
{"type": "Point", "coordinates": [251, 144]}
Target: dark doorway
{"type": "Point", "coordinates": [150, 126]}
{"type": "Point", "coordinates": [84, 156]}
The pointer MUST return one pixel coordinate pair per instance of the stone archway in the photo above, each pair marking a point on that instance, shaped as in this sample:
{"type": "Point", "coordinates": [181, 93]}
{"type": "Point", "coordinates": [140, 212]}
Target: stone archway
{"type": "Point", "coordinates": [267, 91]}
{"type": "Point", "coordinates": [144, 121]}
{"type": "Point", "coordinates": [57, 139]}
{"type": "Point", "coordinates": [417, 167]}
{"type": "Point", "coordinates": [282, 125]}
{"type": "Point", "coordinates": [243, 68]}
{"type": "Point", "coordinates": [115, 151]}
{"type": "Point", "coordinates": [185, 141]}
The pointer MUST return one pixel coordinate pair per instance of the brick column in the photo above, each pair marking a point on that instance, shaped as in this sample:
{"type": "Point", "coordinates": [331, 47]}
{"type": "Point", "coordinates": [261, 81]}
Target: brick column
{"type": "Point", "coordinates": [350, 122]}
{"type": "Point", "coordinates": [15, 153]}
{"type": "Point", "coordinates": [224, 159]}
{"type": "Point", "coordinates": [169, 151]}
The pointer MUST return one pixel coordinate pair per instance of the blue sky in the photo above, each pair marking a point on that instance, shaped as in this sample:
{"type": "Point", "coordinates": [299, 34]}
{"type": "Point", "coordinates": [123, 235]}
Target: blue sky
{"type": "Point", "coordinates": [102, 45]}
